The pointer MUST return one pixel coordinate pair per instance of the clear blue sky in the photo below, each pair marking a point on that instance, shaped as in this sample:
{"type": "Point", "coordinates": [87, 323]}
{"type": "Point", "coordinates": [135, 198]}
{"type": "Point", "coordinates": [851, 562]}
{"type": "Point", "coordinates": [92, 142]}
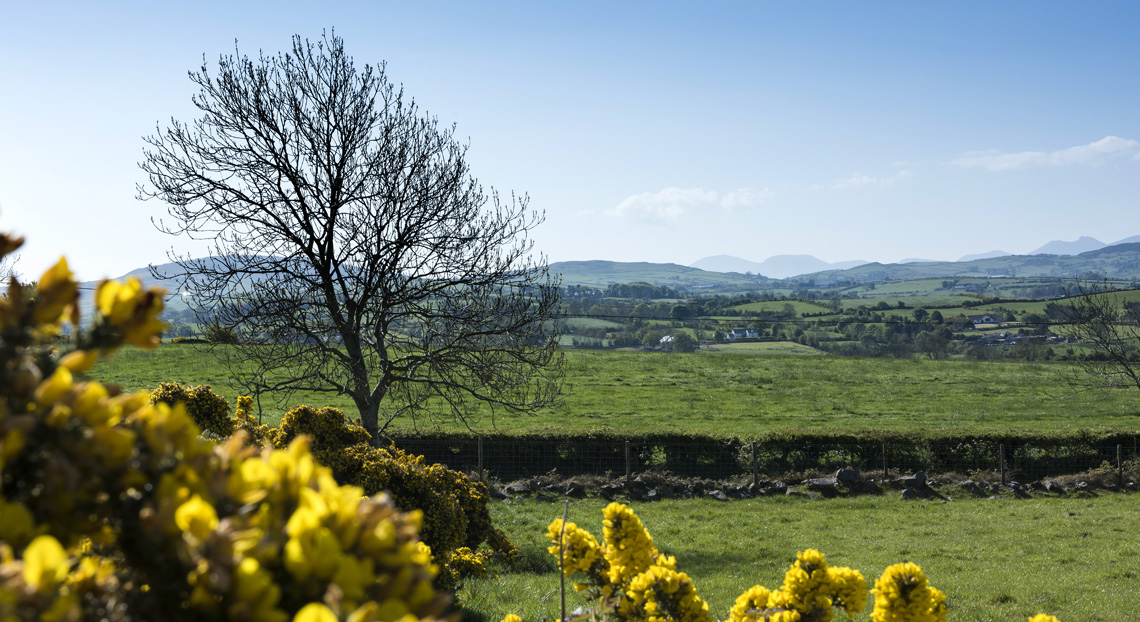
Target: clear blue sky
{"type": "Point", "coordinates": [654, 131]}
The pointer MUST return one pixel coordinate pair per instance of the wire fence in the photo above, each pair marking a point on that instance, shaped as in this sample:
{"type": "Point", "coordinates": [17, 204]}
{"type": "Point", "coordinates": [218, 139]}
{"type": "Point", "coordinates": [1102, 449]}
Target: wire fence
{"type": "Point", "coordinates": [511, 459]}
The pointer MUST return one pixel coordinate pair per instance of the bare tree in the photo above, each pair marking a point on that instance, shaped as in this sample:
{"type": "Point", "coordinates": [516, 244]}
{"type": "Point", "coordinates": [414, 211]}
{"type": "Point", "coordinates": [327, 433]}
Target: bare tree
{"type": "Point", "coordinates": [352, 250]}
{"type": "Point", "coordinates": [1104, 320]}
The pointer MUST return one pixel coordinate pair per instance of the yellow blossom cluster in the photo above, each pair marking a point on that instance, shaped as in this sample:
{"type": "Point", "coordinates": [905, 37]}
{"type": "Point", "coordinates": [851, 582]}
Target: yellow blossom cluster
{"type": "Point", "coordinates": [632, 582]}
{"type": "Point", "coordinates": [579, 549]}
{"type": "Point", "coordinates": [903, 594]}
{"type": "Point", "coordinates": [627, 574]}
{"type": "Point", "coordinates": [811, 591]}
{"type": "Point", "coordinates": [210, 411]}
{"type": "Point", "coordinates": [115, 508]}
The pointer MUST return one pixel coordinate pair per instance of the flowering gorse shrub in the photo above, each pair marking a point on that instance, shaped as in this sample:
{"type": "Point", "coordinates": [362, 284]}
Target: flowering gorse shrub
{"type": "Point", "coordinates": [455, 518]}
{"type": "Point", "coordinates": [115, 508]}
{"type": "Point", "coordinates": [632, 581]}
{"type": "Point", "coordinates": [210, 411]}
{"type": "Point", "coordinates": [454, 507]}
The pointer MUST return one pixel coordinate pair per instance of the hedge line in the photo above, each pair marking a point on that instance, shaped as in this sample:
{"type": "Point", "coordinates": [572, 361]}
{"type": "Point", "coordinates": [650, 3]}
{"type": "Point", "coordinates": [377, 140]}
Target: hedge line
{"type": "Point", "coordinates": [1027, 455]}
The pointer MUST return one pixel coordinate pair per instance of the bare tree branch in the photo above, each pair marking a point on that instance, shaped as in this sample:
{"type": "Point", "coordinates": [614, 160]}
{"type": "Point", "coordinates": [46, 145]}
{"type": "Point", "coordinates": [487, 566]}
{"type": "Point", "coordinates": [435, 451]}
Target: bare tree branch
{"type": "Point", "coordinates": [1106, 322]}
{"type": "Point", "coordinates": [352, 248]}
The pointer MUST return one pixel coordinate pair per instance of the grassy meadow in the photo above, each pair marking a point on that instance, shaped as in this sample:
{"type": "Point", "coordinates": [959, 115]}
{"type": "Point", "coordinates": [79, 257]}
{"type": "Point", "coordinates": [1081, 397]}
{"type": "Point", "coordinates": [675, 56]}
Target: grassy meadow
{"type": "Point", "coordinates": [1006, 559]}
{"type": "Point", "coordinates": [739, 391]}
{"type": "Point", "coordinates": [1003, 559]}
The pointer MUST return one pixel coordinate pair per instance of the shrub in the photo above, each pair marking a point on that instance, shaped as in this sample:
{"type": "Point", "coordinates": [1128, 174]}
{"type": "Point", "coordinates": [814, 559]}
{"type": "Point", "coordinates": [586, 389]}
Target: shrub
{"type": "Point", "coordinates": [210, 411]}
{"type": "Point", "coordinates": [454, 507]}
{"type": "Point", "coordinates": [112, 507]}
{"type": "Point", "coordinates": [628, 579]}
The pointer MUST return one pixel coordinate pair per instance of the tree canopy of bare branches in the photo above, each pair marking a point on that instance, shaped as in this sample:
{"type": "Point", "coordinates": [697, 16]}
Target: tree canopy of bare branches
{"type": "Point", "coordinates": [352, 250]}
{"type": "Point", "coordinates": [1107, 322]}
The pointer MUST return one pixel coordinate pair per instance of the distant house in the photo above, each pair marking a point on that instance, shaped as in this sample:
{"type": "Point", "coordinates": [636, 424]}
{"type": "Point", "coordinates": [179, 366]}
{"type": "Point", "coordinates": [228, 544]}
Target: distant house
{"type": "Point", "coordinates": [982, 319]}
{"type": "Point", "coordinates": [741, 333]}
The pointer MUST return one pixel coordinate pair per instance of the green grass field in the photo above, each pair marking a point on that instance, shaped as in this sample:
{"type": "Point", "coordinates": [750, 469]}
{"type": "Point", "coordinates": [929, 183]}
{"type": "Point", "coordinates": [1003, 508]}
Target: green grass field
{"type": "Point", "coordinates": [741, 392]}
{"type": "Point", "coordinates": [1006, 559]}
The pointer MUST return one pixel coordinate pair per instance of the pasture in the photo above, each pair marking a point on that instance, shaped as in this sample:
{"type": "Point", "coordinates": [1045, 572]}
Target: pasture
{"type": "Point", "coordinates": [1005, 559]}
{"type": "Point", "coordinates": [736, 392]}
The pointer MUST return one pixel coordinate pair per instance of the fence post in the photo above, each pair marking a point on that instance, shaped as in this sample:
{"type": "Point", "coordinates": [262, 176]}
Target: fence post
{"type": "Point", "coordinates": [480, 446]}
{"type": "Point", "coordinates": [628, 469]}
{"type": "Point", "coordinates": [1119, 467]}
{"type": "Point", "coordinates": [1001, 457]}
{"type": "Point", "coordinates": [885, 477]}
{"type": "Point", "coordinates": [755, 469]}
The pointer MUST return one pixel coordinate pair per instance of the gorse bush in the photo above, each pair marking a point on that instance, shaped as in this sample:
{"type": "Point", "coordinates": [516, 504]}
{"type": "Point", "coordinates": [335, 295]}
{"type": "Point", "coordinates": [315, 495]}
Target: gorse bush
{"type": "Point", "coordinates": [115, 508]}
{"type": "Point", "coordinates": [628, 579]}
{"type": "Point", "coordinates": [454, 507]}
{"type": "Point", "coordinates": [210, 411]}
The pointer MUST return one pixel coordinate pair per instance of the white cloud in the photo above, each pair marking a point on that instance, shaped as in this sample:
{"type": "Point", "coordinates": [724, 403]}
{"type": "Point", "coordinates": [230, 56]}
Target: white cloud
{"type": "Point", "coordinates": [1091, 154]}
{"type": "Point", "coordinates": [744, 198]}
{"type": "Point", "coordinates": [860, 180]}
{"type": "Point", "coordinates": [669, 205]}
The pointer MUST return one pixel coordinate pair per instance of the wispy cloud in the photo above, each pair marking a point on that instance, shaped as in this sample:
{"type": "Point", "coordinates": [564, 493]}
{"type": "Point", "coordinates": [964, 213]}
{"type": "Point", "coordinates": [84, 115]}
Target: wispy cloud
{"type": "Point", "coordinates": [745, 198]}
{"type": "Point", "coordinates": [669, 205]}
{"type": "Point", "coordinates": [1091, 154]}
{"type": "Point", "coordinates": [860, 180]}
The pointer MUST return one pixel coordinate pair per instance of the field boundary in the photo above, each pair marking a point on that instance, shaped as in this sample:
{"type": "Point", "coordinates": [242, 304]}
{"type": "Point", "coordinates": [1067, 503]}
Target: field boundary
{"type": "Point", "coordinates": [1024, 457]}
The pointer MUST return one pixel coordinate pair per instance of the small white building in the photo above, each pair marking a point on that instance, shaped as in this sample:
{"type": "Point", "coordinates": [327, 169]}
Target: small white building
{"type": "Point", "coordinates": [741, 333]}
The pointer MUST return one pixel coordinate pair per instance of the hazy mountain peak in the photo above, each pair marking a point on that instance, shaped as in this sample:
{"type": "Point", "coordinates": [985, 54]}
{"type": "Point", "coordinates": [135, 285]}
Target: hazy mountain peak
{"type": "Point", "coordinates": [776, 266]}
{"type": "Point", "coordinates": [1082, 244]}
{"type": "Point", "coordinates": [989, 255]}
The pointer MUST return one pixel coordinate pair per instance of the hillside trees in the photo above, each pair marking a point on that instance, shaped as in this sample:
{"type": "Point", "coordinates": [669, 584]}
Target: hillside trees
{"type": "Point", "coordinates": [352, 249]}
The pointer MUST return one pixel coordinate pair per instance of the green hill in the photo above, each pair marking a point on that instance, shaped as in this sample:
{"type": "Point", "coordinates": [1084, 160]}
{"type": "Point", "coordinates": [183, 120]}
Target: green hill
{"type": "Point", "coordinates": [1121, 261]}
{"type": "Point", "coordinates": [602, 273]}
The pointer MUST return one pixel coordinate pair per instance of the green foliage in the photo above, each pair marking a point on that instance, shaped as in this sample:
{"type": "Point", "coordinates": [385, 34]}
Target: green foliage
{"type": "Point", "coordinates": [210, 411]}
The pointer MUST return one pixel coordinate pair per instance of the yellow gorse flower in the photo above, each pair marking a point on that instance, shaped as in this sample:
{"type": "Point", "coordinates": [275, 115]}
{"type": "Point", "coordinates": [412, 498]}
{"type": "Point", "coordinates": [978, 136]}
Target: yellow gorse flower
{"type": "Point", "coordinates": [629, 548]}
{"type": "Point", "coordinates": [57, 294]}
{"type": "Point", "coordinates": [196, 517]}
{"type": "Point", "coordinates": [749, 605]}
{"type": "Point", "coordinates": [132, 310]}
{"type": "Point", "coordinates": [580, 550]}
{"type": "Point", "coordinates": [902, 594]}
{"type": "Point", "coordinates": [45, 563]}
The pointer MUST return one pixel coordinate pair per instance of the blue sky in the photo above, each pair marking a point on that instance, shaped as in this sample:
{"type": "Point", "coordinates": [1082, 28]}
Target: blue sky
{"type": "Point", "coordinates": [654, 131]}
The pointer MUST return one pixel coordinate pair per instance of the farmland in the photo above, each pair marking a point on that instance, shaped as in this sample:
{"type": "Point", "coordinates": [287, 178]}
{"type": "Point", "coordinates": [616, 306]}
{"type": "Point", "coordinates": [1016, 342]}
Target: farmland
{"type": "Point", "coordinates": [987, 571]}
{"type": "Point", "coordinates": [741, 392]}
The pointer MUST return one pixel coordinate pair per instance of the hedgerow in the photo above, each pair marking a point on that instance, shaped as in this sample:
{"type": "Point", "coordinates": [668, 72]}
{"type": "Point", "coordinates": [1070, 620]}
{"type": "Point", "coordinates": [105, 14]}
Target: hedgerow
{"type": "Point", "coordinates": [115, 508]}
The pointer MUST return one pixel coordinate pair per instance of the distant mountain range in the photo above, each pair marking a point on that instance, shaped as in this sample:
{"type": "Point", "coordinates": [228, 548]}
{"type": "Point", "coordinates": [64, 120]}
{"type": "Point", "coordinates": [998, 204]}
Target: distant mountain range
{"type": "Point", "coordinates": [785, 266]}
{"type": "Point", "coordinates": [989, 255]}
{"type": "Point", "coordinates": [1115, 261]}
{"type": "Point", "coordinates": [775, 267]}
{"type": "Point", "coordinates": [1120, 260]}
